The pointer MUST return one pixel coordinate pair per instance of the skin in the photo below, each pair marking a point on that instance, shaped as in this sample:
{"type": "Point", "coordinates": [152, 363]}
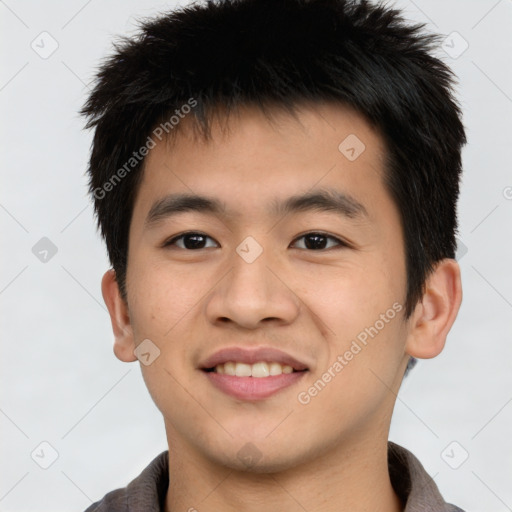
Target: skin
{"type": "Point", "coordinates": [331, 453]}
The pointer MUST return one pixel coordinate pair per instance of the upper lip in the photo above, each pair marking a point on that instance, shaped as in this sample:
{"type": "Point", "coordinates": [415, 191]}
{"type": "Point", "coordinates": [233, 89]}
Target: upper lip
{"type": "Point", "coordinates": [251, 356]}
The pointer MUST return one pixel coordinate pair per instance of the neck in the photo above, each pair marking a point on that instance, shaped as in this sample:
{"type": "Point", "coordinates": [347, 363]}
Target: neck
{"type": "Point", "coordinates": [351, 477]}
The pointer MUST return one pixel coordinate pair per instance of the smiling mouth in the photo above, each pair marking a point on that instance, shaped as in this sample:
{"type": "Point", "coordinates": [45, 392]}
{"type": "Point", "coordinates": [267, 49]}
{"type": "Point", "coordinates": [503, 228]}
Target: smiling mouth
{"type": "Point", "coordinates": [261, 369]}
{"type": "Point", "coordinates": [253, 382]}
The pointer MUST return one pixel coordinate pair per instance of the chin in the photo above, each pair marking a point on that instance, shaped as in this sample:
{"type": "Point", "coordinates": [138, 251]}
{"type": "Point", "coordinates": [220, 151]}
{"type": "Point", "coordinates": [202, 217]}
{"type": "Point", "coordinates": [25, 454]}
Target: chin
{"type": "Point", "coordinates": [265, 465]}
{"type": "Point", "coordinates": [251, 456]}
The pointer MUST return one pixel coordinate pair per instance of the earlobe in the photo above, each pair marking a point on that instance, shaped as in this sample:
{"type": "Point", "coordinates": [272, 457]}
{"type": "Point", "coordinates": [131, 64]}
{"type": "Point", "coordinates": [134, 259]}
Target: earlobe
{"type": "Point", "coordinates": [436, 313]}
{"type": "Point", "coordinates": [118, 310]}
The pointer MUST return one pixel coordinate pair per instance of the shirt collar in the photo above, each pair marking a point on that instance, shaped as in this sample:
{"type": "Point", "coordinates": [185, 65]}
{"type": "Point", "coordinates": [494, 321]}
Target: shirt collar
{"type": "Point", "coordinates": [413, 485]}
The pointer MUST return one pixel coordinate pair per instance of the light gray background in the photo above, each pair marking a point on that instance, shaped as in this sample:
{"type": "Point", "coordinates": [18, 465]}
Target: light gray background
{"type": "Point", "coordinates": [61, 382]}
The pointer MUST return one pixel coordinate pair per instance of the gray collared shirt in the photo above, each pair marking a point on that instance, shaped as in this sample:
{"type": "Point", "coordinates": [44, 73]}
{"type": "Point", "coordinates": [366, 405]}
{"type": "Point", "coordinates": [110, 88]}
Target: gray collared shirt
{"type": "Point", "coordinates": [147, 492]}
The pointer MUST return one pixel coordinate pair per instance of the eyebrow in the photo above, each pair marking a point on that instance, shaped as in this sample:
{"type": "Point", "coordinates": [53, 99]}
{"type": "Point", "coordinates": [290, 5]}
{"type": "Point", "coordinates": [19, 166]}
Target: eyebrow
{"type": "Point", "coordinates": [320, 200]}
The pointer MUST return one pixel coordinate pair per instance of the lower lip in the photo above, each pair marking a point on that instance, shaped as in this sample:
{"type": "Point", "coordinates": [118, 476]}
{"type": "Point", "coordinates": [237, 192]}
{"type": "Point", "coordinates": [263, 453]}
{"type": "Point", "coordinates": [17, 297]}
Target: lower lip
{"type": "Point", "coordinates": [253, 388]}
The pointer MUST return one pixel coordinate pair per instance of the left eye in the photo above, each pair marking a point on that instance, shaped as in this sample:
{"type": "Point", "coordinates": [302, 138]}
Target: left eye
{"type": "Point", "coordinates": [318, 241]}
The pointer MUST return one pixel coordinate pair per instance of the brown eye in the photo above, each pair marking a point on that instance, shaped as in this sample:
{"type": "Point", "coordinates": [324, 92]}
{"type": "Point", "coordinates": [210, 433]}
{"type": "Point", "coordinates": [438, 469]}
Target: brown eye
{"type": "Point", "coordinates": [189, 241]}
{"type": "Point", "coordinates": [319, 241]}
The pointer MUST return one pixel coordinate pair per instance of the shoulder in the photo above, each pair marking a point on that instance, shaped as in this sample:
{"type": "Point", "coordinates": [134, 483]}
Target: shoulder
{"type": "Point", "coordinates": [413, 485]}
{"type": "Point", "coordinates": [145, 493]}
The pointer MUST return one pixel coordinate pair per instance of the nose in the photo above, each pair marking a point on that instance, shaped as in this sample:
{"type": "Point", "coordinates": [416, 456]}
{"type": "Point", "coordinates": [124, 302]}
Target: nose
{"type": "Point", "coordinates": [252, 294]}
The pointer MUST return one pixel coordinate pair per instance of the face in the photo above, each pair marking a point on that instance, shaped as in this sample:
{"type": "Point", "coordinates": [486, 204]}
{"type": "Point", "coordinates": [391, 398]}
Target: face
{"type": "Point", "coordinates": [323, 284]}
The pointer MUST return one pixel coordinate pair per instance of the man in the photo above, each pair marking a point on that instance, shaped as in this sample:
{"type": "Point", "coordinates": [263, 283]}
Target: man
{"type": "Point", "coordinates": [276, 182]}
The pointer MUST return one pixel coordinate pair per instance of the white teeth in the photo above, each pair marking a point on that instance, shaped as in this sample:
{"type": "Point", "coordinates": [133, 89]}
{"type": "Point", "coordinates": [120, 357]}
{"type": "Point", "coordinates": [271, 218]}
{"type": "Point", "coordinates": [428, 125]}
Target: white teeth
{"type": "Point", "coordinates": [229, 368]}
{"type": "Point", "coordinates": [259, 369]}
{"type": "Point", "coordinates": [242, 370]}
{"type": "Point", "coordinates": [275, 369]}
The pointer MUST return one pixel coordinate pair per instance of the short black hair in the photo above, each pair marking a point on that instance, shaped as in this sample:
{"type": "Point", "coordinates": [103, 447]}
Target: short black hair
{"type": "Point", "coordinates": [221, 55]}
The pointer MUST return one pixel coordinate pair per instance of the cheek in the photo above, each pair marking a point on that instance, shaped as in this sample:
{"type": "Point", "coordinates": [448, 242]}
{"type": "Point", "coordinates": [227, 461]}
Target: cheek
{"type": "Point", "coordinates": [161, 295]}
{"type": "Point", "coordinates": [161, 301]}
{"type": "Point", "coordinates": [352, 390]}
{"type": "Point", "coordinates": [348, 299]}
{"type": "Point", "coordinates": [361, 310]}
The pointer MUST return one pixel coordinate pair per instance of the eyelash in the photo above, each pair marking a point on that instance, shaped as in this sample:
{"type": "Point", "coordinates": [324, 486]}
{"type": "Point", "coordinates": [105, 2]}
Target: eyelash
{"type": "Point", "coordinates": [341, 243]}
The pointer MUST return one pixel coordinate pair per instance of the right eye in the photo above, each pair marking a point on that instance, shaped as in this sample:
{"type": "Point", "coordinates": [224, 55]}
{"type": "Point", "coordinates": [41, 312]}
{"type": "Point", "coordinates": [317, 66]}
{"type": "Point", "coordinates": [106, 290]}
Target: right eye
{"type": "Point", "coordinates": [191, 240]}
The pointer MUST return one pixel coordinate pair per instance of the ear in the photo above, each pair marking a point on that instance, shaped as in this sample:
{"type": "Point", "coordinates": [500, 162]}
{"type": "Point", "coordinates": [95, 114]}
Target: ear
{"type": "Point", "coordinates": [434, 315]}
{"type": "Point", "coordinates": [119, 316]}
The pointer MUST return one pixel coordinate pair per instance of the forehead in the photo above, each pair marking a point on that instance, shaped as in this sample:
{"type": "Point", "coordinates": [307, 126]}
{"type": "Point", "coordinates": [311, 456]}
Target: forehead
{"type": "Point", "coordinates": [252, 162]}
